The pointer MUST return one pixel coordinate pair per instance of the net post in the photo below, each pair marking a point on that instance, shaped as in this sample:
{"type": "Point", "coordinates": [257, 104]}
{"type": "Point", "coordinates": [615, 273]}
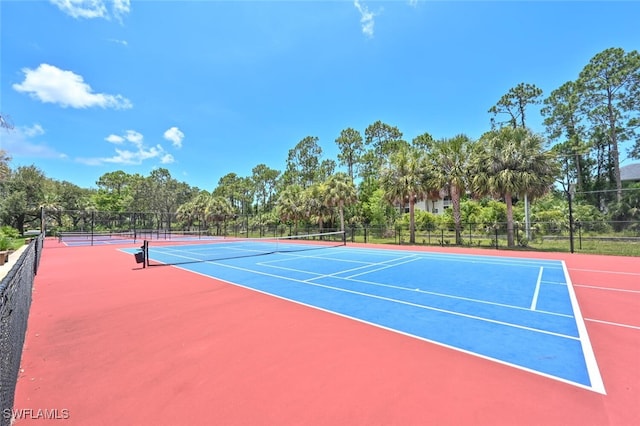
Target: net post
{"type": "Point", "coordinates": [145, 253]}
{"type": "Point", "coordinates": [344, 238]}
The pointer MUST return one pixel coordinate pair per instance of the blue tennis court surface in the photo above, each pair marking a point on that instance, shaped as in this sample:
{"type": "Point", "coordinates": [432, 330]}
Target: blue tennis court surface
{"type": "Point", "coordinates": [520, 312]}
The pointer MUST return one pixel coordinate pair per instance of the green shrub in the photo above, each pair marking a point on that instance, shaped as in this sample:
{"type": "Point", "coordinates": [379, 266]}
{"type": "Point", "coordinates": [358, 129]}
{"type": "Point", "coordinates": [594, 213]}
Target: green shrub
{"type": "Point", "coordinates": [9, 232]}
{"type": "Point", "coordinates": [5, 243]}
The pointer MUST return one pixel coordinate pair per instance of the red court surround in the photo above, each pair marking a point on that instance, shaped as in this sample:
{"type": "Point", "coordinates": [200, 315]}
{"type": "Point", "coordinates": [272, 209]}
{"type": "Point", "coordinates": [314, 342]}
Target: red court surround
{"type": "Point", "coordinates": [116, 345]}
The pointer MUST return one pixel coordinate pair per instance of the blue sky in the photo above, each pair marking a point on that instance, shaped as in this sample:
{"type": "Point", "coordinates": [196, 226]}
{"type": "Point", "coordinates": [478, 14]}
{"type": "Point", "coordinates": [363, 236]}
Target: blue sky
{"type": "Point", "coordinates": [207, 88]}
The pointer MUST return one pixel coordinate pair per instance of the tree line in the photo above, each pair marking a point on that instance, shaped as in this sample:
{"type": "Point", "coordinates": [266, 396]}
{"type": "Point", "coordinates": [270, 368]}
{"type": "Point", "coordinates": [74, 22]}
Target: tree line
{"type": "Point", "coordinates": [586, 121]}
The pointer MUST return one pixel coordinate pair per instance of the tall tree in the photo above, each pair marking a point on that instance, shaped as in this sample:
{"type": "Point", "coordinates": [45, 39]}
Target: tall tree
{"type": "Point", "coordinates": [448, 161]}
{"type": "Point", "coordinates": [303, 162]}
{"type": "Point", "coordinates": [611, 85]}
{"type": "Point", "coordinates": [264, 181]}
{"type": "Point", "coordinates": [381, 140]}
{"type": "Point", "coordinates": [166, 194]}
{"type": "Point", "coordinates": [114, 181]}
{"type": "Point", "coordinates": [25, 195]}
{"type": "Point", "coordinates": [140, 193]}
{"type": "Point", "coordinates": [509, 162]}
{"type": "Point", "coordinates": [564, 124]}
{"type": "Point", "coordinates": [514, 104]}
{"type": "Point", "coordinates": [4, 165]}
{"type": "Point", "coordinates": [423, 141]}
{"type": "Point", "coordinates": [114, 192]}
{"type": "Point", "coordinates": [326, 169]}
{"type": "Point", "coordinates": [351, 148]}
{"type": "Point", "coordinates": [405, 180]}
{"type": "Point", "coordinates": [237, 190]}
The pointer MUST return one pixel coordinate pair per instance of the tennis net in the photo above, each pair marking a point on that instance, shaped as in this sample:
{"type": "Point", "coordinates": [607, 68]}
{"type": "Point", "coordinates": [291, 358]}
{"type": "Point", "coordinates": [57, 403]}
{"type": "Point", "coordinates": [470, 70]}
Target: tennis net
{"type": "Point", "coordinates": [179, 252]}
{"type": "Point", "coordinates": [79, 237]}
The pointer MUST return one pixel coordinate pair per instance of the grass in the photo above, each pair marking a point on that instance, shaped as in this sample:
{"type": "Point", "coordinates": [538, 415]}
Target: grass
{"type": "Point", "coordinates": [605, 245]}
{"type": "Point", "coordinates": [590, 246]}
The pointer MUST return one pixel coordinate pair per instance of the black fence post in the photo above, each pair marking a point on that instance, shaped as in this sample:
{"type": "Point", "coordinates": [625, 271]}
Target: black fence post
{"type": "Point", "coordinates": [570, 222]}
{"type": "Point", "coordinates": [579, 226]}
{"type": "Point", "coordinates": [92, 225]}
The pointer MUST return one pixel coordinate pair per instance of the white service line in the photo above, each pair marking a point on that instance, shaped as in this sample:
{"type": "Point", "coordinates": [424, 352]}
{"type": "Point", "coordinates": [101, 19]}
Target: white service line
{"type": "Point", "coordinates": [534, 302]}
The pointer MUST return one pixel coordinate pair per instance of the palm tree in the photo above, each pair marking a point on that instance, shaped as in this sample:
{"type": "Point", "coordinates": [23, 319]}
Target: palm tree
{"type": "Point", "coordinates": [51, 203]}
{"type": "Point", "coordinates": [511, 161]}
{"type": "Point", "coordinates": [315, 198]}
{"type": "Point", "coordinates": [405, 179]}
{"type": "Point", "coordinates": [187, 214]}
{"type": "Point", "coordinates": [291, 205]}
{"type": "Point", "coordinates": [341, 192]}
{"type": "Point", "coordinates": [448, 160]}
{"type": "Point", "coordinates": [217, 210]}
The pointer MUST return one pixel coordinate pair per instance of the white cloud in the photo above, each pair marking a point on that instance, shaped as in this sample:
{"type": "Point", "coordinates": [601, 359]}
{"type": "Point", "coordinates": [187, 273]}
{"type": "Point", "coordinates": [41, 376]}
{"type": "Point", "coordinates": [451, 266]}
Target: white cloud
{"type": "Point", "coordinates": [118, 41]}
{"type": "Point", "coordinates": [50, 84]}
{"type": "Point", "coordinates": [167, 159]}
{"type": "Point", "coordinates": [137, 153]}
{"type": "Point", "coordinates": [20, 142]}
{"type": "Point", "coordinates": [134, 137]}
{"type": "Point", "coordinates": [35, 130]}
{"type": "Point", "coordinates": [413, 3]}
{"type": "Point", "coordinates": [114, 139]}
{"type": "Point", "coordinates": [121, 7]}
{"type": "Point", "coordinates": [128, 157]}
{"type": "Point", "coordinates": [366, 18]}
{"type": "Point", "coordinates": [90, 9]}
{"type": "Point", "coordinates": [175, 136]}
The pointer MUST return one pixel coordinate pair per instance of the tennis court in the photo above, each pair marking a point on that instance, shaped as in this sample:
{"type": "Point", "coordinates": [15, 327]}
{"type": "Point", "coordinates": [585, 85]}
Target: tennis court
{"type": "Point", "coordinates": [516, 311]}
{"type": "Point", "coordinates": [316, 332]}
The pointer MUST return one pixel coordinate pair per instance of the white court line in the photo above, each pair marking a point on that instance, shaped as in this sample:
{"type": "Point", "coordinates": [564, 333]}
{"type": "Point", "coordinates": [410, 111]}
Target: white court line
{"type": "Point", "coordinates": [412, 258]}
{"type": "Point", "coordinates": [534, 302]}
{"type": "Point", "coordinates": [451, 296]}
{"type": "Point", "coordinates": [402, 302]}
{"type": "Point", "coordinates": [617, 324]}
{"type": "Point", "coordinates": [587, 349]}
{"type": "Point", "coordinates": [269, 264]}
{"type": "Point", "coordinates": [594, 374]}
{"type": "Point", "coordinates": [409, 259]}
{"type": "Point", "coordinates": [396, 287]}
{"type": "Point", "coordinates": [393, 330]}
{"type": "Point", "coordinates": [471, 258]}
{"type": "Point", "coordinates": [287, 258]}
{"type": "Point", "coordinates": [607, 288]}
{"type": "Point", "coordinates": [600, 271]}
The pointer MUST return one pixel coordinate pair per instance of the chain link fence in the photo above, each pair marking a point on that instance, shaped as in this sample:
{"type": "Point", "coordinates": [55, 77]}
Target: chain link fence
{"type": "Point", "coordinates": [597, 237]}
{"type": "Point", "coordinates": [15, 299]}
{"type": "Point", "coordinates": [601, 237]}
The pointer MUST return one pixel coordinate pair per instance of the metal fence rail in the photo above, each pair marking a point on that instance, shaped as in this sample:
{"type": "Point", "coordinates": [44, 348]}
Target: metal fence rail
{"type": "Point", "coordinates": [603, 237]}
{"type": "Point", "coordinates": [15, 302]}
{"type": "Point", "coordinates": [565, 234]}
